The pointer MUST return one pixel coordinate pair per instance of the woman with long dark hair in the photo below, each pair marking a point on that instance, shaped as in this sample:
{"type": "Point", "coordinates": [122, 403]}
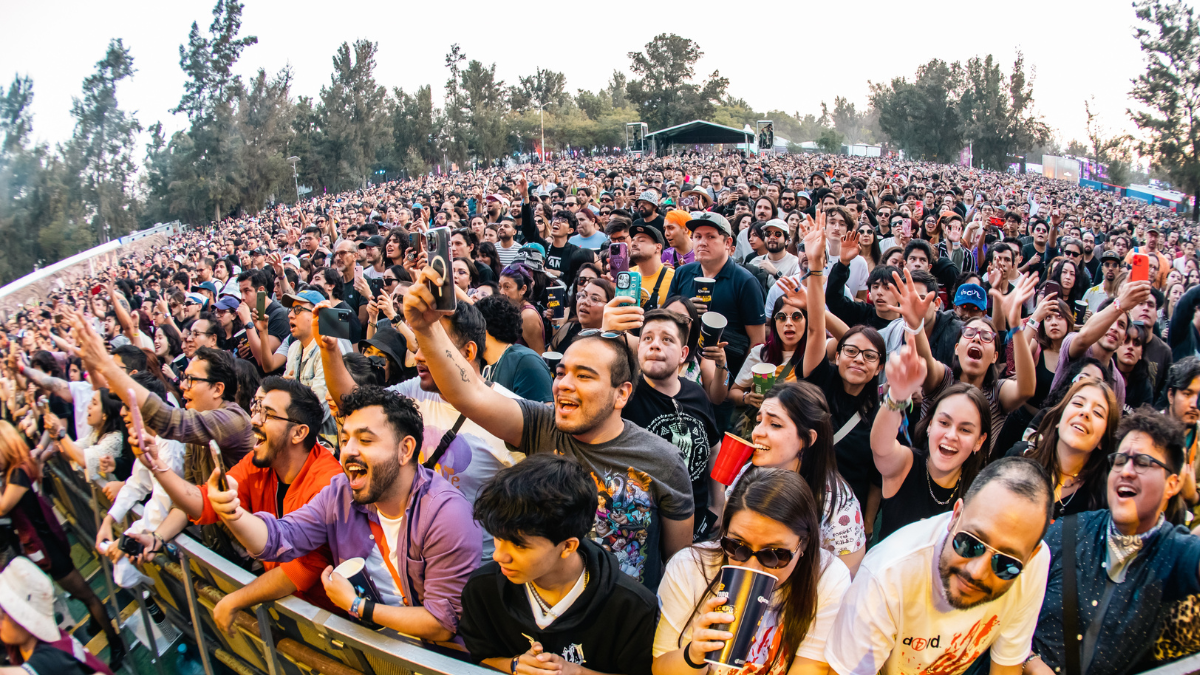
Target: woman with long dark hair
{"type": "Point", "coordinates": [394, 247]}
{"type": "Point", "coordinates": [516, 284]}
{"type": "Point", "coordinates": [1130, 360]}
{"type": "Point", "coordinates": [849, 380]}
{"type": "Point", "coordinates": [1054, 321]}
{"type": "Point", "coordinates": [1066, 275]}
{"type": "Point", "coordinates": [925, 480]}
{"type": "Point", "coordinates": [794, 432]}
{"type": "Point", "coordinates": [487, 254]}
{"type": "Point", "coordinates": [784, 349]}
{"type": "Point", "coordinates": [106, 439]}
{"type": "Point", "coordinates": [771, 524]}
{"type": "Point", "coordinates": [1073, 443]}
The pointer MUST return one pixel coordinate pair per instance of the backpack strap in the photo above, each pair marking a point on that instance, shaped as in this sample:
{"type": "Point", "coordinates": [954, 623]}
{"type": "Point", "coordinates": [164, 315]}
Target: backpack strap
{"type": "Point", "coordinates": [1070, 596]}
{"type": "Point", "coordinates": [444, 444]}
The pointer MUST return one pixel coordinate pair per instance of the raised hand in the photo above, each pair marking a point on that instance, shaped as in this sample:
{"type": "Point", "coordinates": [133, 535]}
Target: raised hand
{"type": "Point", "coordinates": [814, 246]}
{"type": "Point", "coordinates": [1048, 303]}
{"type": "Point", "coordinates": [1025, 288]}
{"type": "Point", "coordinates": [905, 372]}
{"type": "Point", "coordinates": [849, 248]}
{"type": "Point", "coordinates": [912, 305]}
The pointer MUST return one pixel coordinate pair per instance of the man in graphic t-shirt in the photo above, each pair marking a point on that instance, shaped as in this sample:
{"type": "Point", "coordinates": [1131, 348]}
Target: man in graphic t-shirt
{"type": "Point", "coordinates": [644, 514]}
{"type": "Point", "coordinates": [940, 592]}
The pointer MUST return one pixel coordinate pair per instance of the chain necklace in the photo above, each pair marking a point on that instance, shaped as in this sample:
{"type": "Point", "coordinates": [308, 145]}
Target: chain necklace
{"type": "Point", "coordinates": [1063, 486]}
{"type": "Point", "coordinates": [545, 606]}
{"type": "Point", "coordinates": [929, 481]}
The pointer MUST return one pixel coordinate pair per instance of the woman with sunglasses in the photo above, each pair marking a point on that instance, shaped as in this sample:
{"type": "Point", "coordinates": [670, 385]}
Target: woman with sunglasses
{"type": "Point", "coordinates": [976, 353]}
{"type": "Point", "coordinates": [1073, 442]}
{"type": "Point", "coordinates": [868, 246]}
{"type": "Point", "coordinates": [925, 480]}
{"type": "Point", "coordinates": [784, 349]}
{"type": "Point", "coordinates": [771, 524]}
{"type": "Point", "coordinates": [931, 230]}
{"type": "Point", "coordinates": [848, 380]}
{"type": "Point", "coordinates": [516, 284]}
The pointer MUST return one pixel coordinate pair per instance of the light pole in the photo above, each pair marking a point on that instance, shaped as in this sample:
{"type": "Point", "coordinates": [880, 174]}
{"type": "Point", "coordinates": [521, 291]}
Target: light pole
{"type": "Point", "coordinates": [542, 122]}
{"type": "Point", "coordinates": [295, 176]}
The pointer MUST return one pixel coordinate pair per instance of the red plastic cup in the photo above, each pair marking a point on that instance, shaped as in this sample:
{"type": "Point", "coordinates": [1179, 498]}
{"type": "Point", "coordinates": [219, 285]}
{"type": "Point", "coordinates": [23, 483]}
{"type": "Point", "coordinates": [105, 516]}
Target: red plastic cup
{"type": "Point", "coordinates": [735, 452]}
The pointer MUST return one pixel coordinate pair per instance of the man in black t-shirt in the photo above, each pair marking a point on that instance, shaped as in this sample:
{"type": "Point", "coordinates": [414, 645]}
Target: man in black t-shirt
{"type": "Point", "coordinates": [647, 208]}
{"type": "Point", "coordinates": [676, 409]}
{"type": "Point", "coordinates": [1037, 253]}
{"type": "Point", "coordinates": [250, 283]}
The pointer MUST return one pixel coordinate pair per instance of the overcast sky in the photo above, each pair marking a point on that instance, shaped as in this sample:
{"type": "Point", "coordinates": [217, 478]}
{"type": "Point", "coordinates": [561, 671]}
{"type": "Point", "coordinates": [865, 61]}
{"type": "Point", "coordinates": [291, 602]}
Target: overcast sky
{"type": "Point", "coordinates": [791, 60]}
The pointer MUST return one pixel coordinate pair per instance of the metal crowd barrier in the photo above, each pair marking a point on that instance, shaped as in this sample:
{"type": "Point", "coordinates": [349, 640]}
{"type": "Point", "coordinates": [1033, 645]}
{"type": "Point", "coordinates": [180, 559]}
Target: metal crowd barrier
{"type": "Point", "coordinates": [284, 637]}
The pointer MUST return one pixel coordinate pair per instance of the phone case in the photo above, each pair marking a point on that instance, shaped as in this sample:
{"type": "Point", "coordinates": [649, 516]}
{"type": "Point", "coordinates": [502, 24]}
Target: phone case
{"type": "Point", "coordinates": [437, 246]}
{"type": "Point", "coordinates": [334, 322]}
{"type": "Point", "coordinates": [1141, 267]}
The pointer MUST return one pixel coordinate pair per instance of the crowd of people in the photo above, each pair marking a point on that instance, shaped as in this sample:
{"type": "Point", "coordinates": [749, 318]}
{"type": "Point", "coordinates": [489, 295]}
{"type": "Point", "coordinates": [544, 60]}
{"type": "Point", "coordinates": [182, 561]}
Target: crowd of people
{"type": "Point", "coordinates": [527, 479]}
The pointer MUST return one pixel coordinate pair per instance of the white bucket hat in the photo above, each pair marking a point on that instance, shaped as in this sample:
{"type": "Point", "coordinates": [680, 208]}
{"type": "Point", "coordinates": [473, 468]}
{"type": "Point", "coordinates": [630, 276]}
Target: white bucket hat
{"type": "Point", "coordinates": [27, 595]}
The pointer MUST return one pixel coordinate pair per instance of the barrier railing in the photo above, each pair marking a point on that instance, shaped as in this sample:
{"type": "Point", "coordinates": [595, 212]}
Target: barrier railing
{"type": "Point", "coordinates": [283, 637]}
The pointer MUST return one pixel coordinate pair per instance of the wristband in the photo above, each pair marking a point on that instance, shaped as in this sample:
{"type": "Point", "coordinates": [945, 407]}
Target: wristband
{"type": "Point", "coordinates": [354, 608]}
{"type": "Point", "coordinates": [513, 667]}
{"type": "Point", "coordinates": [1032, 324]}
{"type": "Point", "coordinates": [1117, 301]}
{"type": "Point", "coordinates": [914, 331]}
{"type": "Point", "coordinates": [368, 610]}
{"type": "Point", "coordinates": [894, 405]}
{"type": "Point", "coordinates": [687, 658]}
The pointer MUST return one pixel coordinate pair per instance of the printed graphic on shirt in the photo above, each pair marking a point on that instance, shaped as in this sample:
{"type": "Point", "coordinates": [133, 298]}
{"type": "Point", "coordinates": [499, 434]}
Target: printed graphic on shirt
{"type": "Point", "coordinates": [764, 649]}
{"type": "Point", "coordinates": [686, 433]}
{"type": "Point", "coordinates": [961, 651]}
{"type": "Point", "coordinates": [573, 654]}
{"type": "Point", "coordinates": [623, 518]}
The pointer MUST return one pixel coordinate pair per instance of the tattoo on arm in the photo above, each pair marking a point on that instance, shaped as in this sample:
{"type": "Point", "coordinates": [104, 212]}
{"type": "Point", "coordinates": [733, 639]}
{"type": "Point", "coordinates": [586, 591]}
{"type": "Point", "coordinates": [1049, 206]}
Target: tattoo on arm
{"type": "Point", "coordinates": [54, 385]}
{"type": "Point", "coordinates": [462, 372]}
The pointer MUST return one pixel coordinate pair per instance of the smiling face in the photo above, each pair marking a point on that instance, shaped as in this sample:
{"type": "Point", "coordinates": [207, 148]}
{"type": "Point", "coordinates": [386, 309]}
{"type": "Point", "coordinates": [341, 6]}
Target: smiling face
{"type": "Point", "coordinates": [584, 397]}
{"type": "Point", "coordinates": [955, 433]}
{"type": "Point", "coordinates": [858, 369]}
{"type": "Point", "coordinates": [776, 437]}
{"type": "Point", "coordinates": [1085, 419]}
{"type": "Point", "coordinates": [1112, 339]}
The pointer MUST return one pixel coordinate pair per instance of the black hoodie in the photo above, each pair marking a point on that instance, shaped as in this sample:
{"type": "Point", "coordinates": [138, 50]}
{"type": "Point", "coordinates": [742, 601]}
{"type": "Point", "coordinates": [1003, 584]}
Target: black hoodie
{"type": "Point", "coordinates": [609, 628]}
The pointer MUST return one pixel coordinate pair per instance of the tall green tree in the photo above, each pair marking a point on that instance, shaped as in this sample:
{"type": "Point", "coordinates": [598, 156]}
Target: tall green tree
{"type": "Point", "coordinates": [545, 88]}
{"type": "Point", "coordinates": [414, 131]}
{"type": "Point", "coordinates": [997, 112]}
{"type": "Point", "coordinates": [922, 116]}
{"type": "Point", "coordinates": [664, 93]}
{"type": "Point", "coordinates": [453, 126]}
{"type": "Point", "coordinates": [353, 116]}
{"type": "Point", "coordinates": [1112, 150]}
{"type": "Point", "coordinates": [264, 127]}
{"type": "Point", "coordinates": [101, 149]}
{"type": "Point", "coordinates": [485, 98]}
{"type": "Point", "coordinates": [1169, 91]}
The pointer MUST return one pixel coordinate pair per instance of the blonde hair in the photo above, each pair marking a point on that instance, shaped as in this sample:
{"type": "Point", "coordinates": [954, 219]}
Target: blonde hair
{"type": "Point", "coordinates": [15, 453]}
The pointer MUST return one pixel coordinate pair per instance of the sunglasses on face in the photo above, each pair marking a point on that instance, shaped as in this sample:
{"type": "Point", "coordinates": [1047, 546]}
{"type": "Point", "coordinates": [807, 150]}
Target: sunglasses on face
{"type": "Point", "coordinates": [984, 335]}
{"type": "Point", "coordinates": [1005, 567]}
{"type": "Point", "coordinates": [796, 317]}
{"type": "Point", "coordinates": [770, 558]}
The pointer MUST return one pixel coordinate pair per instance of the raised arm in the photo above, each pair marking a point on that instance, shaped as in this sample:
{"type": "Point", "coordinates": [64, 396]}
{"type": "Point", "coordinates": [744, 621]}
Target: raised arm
{"type": "Point", "coordinates": [912, 308]}
{"type": "Point", "coordinates": [1016, 391]}
{"type": "Point", "coordinates": [814, 240]}
{"type": "Point", "coordinates": [1133, 293]}
{"type": "Point", "coordinates": [57, 386]}
{"type": "Point", "coordinates": [458, 383]}
{"type": "Point", "coordinates": [905, 372]}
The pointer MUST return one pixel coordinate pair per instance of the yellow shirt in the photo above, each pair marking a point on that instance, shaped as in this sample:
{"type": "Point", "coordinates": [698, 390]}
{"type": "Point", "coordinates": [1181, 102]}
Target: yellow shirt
{"type": "Point", "coordinates": [648, 283]}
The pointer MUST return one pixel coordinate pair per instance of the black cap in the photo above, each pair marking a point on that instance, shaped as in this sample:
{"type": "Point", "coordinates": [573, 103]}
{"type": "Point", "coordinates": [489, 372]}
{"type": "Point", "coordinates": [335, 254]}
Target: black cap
{"type": "Point", "coordinates": [652, 232]}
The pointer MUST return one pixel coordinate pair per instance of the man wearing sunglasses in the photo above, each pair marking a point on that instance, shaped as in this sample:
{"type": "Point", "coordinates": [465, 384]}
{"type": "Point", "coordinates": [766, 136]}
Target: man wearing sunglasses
{"type": "Point", "coordinates": [1129, 565]}
{"type": "Point", "coordinates": [941, 592]}
{"type": "Point", "coordinates": [645, 491]}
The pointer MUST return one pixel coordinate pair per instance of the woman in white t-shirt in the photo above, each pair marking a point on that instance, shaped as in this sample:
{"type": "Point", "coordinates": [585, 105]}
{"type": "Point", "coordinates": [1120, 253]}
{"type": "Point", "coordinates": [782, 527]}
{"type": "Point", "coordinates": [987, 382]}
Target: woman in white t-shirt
{"type": "Point", "coordinates": [783, 349]}
{"type": "Point", "coordinates": [795, 433]}
{"type": "Point", "coordinates": [771, 525]}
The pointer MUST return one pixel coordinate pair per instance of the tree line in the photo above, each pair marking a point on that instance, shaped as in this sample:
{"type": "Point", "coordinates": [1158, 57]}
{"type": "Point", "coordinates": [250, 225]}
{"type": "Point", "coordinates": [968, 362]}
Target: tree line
{"type": "Point", "coordinates": [232, 158]}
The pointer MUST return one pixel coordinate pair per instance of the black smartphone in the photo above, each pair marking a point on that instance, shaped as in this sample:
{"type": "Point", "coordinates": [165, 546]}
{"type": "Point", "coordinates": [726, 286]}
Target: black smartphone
{"type": "Point", "coordinates": [129, 545]}
{"type": "Point", "coordinates": [334, 322]}
{"type": "Point", "coordinates": [262, 303]}
{"type": "Point", "coordinates": [437, 246]}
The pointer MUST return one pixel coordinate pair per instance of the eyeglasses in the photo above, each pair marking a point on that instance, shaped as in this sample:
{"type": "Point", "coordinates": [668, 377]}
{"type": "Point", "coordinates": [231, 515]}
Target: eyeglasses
{"type": "Point", "coordinates": [1005, 566]}
{"type": "Point", "coordinates": [1141, 462]}
{"type": "Point", "coordinates": [256, 408]}
{"type": "Point", "coordinates": [984, 335]}
{"type": "Point", "coordinates": [770, 558]}
{"type": "Point", "coordinates": [187, 381]}
{"type": "Point", "coordinates": [296, 309]}
{"type": "Point", "coordinates": [852, 352]}
{"type": "Point", "coordinates": [794, 316]}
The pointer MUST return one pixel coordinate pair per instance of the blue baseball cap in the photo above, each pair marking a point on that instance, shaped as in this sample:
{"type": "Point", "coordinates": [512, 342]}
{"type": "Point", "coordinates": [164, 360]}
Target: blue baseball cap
{"type": "Point", "coordinates": [311, 297]}
{"type": "Point", "coordinates": [971, 294]}
{"type": "Point", "coordinates": [227, 303]}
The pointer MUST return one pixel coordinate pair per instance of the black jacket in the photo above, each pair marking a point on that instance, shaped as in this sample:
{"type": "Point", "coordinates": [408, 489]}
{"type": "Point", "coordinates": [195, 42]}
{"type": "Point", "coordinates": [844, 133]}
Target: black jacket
{"type": "Point", "coordinates": [853, 312]}
{"type": "Point", "coordinates": [609, 628]}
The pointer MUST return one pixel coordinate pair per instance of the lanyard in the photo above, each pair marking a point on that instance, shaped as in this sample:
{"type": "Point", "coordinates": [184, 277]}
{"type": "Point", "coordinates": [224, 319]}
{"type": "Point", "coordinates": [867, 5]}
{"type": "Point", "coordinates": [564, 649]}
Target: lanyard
{"type": "Point", "coordinates": [381, 542]}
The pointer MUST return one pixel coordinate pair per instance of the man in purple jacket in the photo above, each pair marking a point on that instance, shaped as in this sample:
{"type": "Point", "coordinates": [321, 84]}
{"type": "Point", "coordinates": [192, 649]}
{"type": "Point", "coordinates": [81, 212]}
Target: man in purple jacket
{"type": "Point", "coordinates": [412, 529]}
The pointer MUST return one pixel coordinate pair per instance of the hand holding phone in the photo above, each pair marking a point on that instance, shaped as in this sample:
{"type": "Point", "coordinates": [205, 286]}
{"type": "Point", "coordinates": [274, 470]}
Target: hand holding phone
{"type": "Point", "coordinates": [1140, 263]}
{"type": "Point", "coordinates": [219, 464]}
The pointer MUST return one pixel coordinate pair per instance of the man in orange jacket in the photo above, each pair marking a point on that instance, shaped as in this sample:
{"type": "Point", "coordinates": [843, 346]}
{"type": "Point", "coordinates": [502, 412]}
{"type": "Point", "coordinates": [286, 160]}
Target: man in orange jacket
{"type": "Point", "coordinates": [285, 470]}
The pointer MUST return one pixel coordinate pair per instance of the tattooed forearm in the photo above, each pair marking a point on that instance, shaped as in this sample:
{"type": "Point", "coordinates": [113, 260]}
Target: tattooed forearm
{"type": "Point", "coordinates": [462, 372]}
{"type": "Point", "coordinates": [50, 383]}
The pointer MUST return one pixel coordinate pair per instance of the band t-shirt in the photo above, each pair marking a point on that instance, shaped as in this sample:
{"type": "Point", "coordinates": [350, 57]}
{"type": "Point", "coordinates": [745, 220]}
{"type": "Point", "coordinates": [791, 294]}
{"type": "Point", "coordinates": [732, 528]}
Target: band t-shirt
{"type": "Point", "coordinates": [690, 426]}
{"type": "Point", "coordinates": [641, 480]}
{"type": "Point", "coordinates": [895, 619]}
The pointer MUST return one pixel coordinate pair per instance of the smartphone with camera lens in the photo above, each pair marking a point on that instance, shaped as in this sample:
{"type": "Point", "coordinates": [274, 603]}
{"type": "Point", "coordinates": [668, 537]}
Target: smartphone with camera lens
{"type": "Point", "coordinates": [334, 322]}
{"type": "Point", "coordinates": [618, 258]}
{"type": "Point", "coordinates": [437, 247]}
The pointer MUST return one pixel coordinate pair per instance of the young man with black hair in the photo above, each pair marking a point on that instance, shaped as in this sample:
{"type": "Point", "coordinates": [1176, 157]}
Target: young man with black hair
{"type": "Point", "coordinates": [549, 584]}
{"type": "Point", "coordinates": [412, 528]}
{"type": "Point", "coordinates": [250, 284]}
{"type": "Point", "coordinates": [453, 446]}
{"type": "Point", "coordinates": [646, 501]}
{"type": "Point", "coordinates": [1130, 566]}
{"type": "Point", "coordinates": [560, 253]}
{"type": "Point", "coordinates": [514, 367]}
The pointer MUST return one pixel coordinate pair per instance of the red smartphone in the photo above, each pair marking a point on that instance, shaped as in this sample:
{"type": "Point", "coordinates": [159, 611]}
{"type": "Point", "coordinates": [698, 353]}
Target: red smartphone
{"type": "Point", "coordinates": [97, 289]}
{"type": "Point", "coordinates": [1141, 267]}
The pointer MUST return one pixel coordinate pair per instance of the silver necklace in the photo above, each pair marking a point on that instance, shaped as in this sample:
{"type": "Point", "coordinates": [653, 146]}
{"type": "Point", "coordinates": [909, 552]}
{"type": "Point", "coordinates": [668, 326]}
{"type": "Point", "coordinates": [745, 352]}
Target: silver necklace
{"type": "Point", "coordinates": [929, 481]}
{"type": "Point", "coordinates": [545, 606]}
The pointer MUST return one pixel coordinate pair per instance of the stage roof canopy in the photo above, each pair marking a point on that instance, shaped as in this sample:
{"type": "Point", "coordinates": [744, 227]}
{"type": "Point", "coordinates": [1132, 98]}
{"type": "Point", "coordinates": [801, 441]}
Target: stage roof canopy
{"type": "Point", "coordinates": [699, 132]}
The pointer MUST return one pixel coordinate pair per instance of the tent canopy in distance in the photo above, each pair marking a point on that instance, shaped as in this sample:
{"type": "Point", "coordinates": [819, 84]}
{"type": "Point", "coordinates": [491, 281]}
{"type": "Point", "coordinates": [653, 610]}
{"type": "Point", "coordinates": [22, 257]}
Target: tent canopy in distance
{"type": "Point", "coordinates": [698, 132]}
